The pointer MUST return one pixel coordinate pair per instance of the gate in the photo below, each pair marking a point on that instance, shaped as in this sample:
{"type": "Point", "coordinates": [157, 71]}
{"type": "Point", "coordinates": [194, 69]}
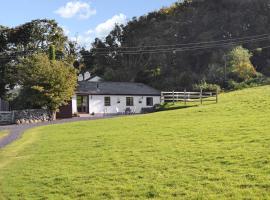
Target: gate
{"type": "Point", "coordinates": [6, 118]}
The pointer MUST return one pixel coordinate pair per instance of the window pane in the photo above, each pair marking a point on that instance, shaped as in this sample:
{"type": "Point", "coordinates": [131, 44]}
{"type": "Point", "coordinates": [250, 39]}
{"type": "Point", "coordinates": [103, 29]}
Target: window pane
{"type": "Point", "coordinates": [129, 101]}
{"type": "Point", "coordinates": [149, 101]}
{"type": "Point", "coordinates": [107, 101]}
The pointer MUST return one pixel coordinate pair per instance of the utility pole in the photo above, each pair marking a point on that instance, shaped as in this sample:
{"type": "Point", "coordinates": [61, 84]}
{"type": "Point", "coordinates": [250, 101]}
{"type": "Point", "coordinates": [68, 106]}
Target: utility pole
{"type": "Point", "coordinates": [225, 68]}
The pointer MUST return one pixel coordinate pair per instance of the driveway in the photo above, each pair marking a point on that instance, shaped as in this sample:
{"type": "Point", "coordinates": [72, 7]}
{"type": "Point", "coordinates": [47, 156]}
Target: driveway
{"type": "Point", "coordinates": [16, 131]}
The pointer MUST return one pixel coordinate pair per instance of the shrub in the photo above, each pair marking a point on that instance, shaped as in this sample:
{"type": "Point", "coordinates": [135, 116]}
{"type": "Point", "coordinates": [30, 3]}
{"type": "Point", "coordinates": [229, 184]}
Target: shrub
{"type": "Point", "coordinates": [240, 66]}
{"type": "Point", "coordinates": [206, 86]}
{"type": "Point", "coordinates": [259, 80]}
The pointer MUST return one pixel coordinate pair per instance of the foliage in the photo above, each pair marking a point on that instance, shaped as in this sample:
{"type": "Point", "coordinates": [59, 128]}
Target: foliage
{"type": "Point", "coordinates": [52, 54]}
{"type": "Point", "coordinates": [215, 151]}
{"type": "Point", "coordinates": [206, 87]}
{"type": "Point", "coordinates": [259, 80]}
{"type": "Point", "coordinates": [46, 83]}
{"type": "Point", "coordinates": [183, 23]}
{"type": "Point", "coordinates": [240, 66]}
{"type": "Point", "coordinates": [35, 36]}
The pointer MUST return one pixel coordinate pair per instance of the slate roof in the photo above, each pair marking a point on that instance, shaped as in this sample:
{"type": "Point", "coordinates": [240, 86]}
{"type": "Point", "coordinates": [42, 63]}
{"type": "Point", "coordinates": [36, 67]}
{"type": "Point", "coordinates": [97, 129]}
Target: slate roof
{"type": "Point", "coordinates": [116, 88]}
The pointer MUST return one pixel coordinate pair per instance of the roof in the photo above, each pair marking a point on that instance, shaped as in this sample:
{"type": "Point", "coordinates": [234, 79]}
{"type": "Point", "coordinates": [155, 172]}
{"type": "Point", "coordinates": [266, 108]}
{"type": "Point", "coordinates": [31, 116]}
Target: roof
{"type": "Point", "coordinates": [116, 88]}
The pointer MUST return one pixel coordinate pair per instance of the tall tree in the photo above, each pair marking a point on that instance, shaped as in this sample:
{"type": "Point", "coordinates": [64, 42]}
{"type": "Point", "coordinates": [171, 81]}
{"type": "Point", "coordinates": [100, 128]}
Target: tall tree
{"type": "Point", "coordinates": [186, 22]}
{"type": "Point", "coordinates": [46, 83]}
{"type": "Point", "coordinates": [21, 41]}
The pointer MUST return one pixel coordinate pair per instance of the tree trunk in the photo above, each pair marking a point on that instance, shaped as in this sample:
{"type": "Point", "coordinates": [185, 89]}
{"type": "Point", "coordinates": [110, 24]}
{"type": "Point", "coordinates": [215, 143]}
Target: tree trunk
{"type": "Point", "coordinates": [53, 117]}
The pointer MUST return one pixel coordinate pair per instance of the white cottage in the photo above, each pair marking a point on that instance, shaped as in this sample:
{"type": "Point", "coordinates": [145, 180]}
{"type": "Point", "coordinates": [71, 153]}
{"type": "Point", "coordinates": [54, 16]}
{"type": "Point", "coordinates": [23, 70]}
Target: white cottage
{"type": "Point", "coordinates": [111, 98]}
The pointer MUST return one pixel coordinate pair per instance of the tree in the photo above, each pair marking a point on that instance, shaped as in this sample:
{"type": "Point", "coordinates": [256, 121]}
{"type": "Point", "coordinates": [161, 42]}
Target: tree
{"type": "Point", "coordinates": [52, 55]}
{"type": "Point", "coordinates": [21, 41]}
{"type": "Point", "coordinates": [185, 22]}
{"type": "Point", "coordinates": [240, 66]}
{"type": "Point", "coordinates": [46, 83]}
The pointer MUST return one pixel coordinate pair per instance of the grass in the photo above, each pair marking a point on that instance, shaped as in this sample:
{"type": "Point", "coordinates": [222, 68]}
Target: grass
{"type": "Point", "coordinates": [3, 134]}
{"type": "Point", "coordinates": [215, 151]}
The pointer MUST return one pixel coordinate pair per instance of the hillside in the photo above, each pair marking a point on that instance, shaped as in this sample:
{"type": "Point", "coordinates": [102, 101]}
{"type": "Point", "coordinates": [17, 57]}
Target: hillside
{"type": "Point", "coordinates": [166, 48]}
{"type": "Point", "coordinates": [215, 151]}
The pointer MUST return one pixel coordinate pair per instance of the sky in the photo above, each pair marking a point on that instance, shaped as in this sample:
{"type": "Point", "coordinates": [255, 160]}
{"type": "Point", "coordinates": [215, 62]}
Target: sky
{"type": "Point", "coordinates": [82, 20]}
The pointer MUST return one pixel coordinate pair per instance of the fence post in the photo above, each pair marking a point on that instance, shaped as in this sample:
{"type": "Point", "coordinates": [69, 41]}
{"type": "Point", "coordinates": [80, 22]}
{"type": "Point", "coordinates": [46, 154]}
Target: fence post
{"type": "Point", "coordinates": [185, 97]}
{"type": "Point", "coordinates": [13, 117]}
{"type": "Point", "coordinates": [173, 97]}
{"type": "Point", "coordinates": [201, 96]}
{"type": "Point", "coordinates": [217, 95]}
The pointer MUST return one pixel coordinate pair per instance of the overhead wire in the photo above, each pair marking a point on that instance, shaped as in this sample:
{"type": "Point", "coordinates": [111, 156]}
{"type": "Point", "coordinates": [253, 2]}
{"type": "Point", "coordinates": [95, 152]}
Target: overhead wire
{"type": "Point", "coordinates": [166, 48]}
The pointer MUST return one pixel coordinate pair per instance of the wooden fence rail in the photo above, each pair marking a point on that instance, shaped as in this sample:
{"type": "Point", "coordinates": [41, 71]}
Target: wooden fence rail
{"type": "Point", "coordinates": [189, 96]}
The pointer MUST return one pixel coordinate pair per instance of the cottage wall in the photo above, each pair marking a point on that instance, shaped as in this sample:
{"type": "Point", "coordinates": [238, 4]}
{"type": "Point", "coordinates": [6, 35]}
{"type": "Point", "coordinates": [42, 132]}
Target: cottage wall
{"type": "Point", "coordinates": [118, 104]}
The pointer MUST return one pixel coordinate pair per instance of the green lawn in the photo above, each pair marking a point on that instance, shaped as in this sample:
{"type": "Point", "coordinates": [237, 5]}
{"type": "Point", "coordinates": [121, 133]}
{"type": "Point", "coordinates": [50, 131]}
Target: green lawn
{"type": "Point", "coordinates": [214, 151]}
{"type": "Point", "coordinates": [3, 134]}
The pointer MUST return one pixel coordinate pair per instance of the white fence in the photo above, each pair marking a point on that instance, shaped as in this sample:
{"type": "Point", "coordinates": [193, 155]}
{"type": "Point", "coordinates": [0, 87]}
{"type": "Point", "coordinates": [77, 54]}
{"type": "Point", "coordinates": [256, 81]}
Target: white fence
{"type": "Point", "coordinates": [189, 96]}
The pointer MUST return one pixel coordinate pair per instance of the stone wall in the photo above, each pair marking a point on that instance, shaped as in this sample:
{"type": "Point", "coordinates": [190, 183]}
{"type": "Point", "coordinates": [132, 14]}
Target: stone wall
{"type": "Point", "coordinates": [31, 116]}
{"type": "Point", "coordinates": [24, 116]}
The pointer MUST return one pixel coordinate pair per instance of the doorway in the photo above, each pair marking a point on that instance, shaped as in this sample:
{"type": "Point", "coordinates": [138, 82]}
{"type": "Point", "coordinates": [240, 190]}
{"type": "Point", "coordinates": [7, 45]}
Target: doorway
{"type": "Point", "coordinates": [83, 104]}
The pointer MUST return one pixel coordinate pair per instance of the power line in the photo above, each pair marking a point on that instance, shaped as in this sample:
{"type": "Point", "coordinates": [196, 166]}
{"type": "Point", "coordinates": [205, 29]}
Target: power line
{"type": "Point", "coordinates": [202, 47]}
{"type": "Point", "coordinates": [175, 45]}
{"type": "Point", "coordinates": [187, 44]}
{"type": "Point", "coordinates": [206, 45]}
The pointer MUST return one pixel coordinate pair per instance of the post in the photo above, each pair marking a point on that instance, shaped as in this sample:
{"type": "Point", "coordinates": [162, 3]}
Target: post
{"type": "Point", "coordinates": [13, 116]}
{"type": "Point", "coordinates": [173, 97]}
{"type": "Point", "coordinates": [201, 96]}
{"type": "Point", "coordinates": [217, 95]}
{"type": "Point", "coordinates": [225, 68]}
{"type": "Point", "coordinates": [185, 97]}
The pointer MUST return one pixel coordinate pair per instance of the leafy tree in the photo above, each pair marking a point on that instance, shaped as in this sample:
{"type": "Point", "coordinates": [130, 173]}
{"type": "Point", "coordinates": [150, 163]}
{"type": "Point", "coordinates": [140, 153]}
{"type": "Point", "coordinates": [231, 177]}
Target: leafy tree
{"type": "Point", "coordinates": [21, 41]}
{"type": "Point", "coordinates": [46, 83]}
{"type": "Point", "coordinates": [184, 22]}
{"type": "Point", "coordinates": [240, 65]}
{"type": "Point", "coordinates": [52, 55]}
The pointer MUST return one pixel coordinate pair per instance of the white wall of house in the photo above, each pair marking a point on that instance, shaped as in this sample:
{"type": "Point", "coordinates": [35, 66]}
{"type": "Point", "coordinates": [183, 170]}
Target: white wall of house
{"type": "Point", "coordinates": [74, 104]}
{"type": "Point", "coordinates": [117, 104]}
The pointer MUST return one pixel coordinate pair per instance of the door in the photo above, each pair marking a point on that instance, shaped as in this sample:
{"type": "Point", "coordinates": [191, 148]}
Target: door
{"type": "Point", "coordinates": [82, 104]}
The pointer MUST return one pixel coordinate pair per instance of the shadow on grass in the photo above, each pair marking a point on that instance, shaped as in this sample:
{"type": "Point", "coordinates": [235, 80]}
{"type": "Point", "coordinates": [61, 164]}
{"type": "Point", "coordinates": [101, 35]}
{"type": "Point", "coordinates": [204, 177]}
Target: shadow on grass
{"type": "Point", "coordinates": [170, 106]}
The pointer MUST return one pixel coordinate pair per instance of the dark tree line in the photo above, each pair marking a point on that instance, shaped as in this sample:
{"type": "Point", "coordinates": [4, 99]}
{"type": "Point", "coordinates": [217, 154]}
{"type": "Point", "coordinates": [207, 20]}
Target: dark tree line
{"type": "Point", "coordinates": [182, 23]}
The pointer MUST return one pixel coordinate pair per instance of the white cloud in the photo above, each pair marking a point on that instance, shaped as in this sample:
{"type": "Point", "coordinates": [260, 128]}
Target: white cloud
{"type": "Point", "coordinates": [79, 9]}
{"type": "Point", "coordinates": [83, 40]}
{"type": "Point", "coordinates": [66, 30]}
{"type": "Point", "coordinates": [105, 28]}
{"type": "Point", "coordinates": [102, 30]}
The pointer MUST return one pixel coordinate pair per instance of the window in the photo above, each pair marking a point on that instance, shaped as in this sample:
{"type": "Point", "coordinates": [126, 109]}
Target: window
{"type": "Point", "coordinates": [107, 101]}
{"type": "Point", "coordinates": [130, 101]}
{"type": "Point", "coordinates": [149, 101]}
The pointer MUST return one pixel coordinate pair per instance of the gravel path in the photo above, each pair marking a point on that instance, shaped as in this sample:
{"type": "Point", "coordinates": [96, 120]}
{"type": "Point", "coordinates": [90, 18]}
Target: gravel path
{"type": "Point", "coordinates": [16, 131]}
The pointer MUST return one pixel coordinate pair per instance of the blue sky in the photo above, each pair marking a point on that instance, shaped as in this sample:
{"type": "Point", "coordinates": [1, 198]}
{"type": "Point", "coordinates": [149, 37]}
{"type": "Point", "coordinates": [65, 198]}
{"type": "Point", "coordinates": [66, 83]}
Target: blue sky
{"type": "Point", "coordinates": [82, 19]}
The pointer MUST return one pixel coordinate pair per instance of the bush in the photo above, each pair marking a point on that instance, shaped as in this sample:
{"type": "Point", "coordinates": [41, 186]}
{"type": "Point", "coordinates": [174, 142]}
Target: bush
{"type": "Point", "coordinates": [240, 66]}
{"type": "Point", "coordinates": [259, 80]}
{"type": "Point", "coordinates": [206, 87]}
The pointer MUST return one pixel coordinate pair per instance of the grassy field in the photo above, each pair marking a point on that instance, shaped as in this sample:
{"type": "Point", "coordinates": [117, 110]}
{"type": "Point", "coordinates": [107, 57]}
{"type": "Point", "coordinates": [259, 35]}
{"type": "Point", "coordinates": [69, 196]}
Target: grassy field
{"type": "Point", "coordinates": [3, 134]}
{"type": "Point", "coordinates": [215, 151]}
